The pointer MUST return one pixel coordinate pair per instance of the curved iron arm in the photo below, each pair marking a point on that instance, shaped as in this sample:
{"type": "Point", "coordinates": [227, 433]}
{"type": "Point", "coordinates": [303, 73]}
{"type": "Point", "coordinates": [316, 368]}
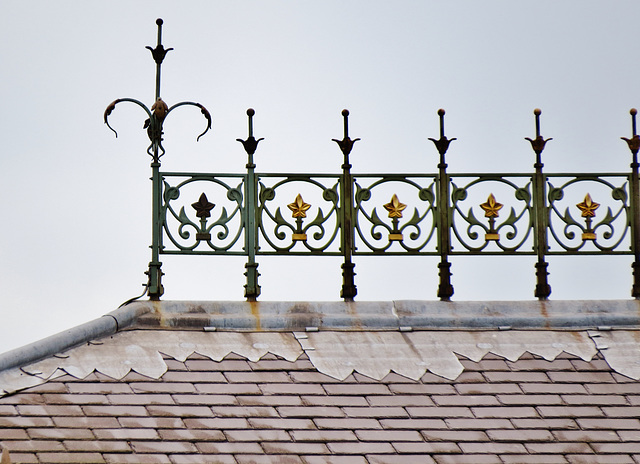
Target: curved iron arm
{"type": "Point", "coordinates": [203, 110]}
{"type": "Point", "coordinates": [112, 106]}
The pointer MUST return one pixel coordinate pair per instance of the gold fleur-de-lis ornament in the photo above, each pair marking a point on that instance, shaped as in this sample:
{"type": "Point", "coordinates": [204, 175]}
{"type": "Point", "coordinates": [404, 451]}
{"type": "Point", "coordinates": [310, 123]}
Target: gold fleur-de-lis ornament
{"type": "Point", "coordinates": [299, 207]}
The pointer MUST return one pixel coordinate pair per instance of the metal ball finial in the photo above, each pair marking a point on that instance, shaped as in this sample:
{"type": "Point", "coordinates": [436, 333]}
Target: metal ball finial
{"type": "Point", "coordinates": [251, 112]}
{"type": "Point", "coordinates": [633, 111]}
{"type": "Point", "coordinates": [345, 112]}
{"type": "Point", "coordinates": [441, 112]}
{"type": "Point", "coordinates": [537, 111]}
{"type": "Point", "coordinates": [159, 21]}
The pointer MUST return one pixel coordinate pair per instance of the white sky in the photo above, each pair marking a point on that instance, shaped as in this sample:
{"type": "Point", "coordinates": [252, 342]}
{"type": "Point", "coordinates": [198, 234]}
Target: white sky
{"type": "Point", "coordinates": [76, 201]}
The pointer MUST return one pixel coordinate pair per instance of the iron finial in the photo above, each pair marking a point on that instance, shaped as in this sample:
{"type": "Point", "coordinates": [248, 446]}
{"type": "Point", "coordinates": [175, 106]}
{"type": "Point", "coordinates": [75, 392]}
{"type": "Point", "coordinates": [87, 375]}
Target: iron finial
{"type": "Point", "coordinates": [634, 141]}
{"type": "Point", "coordinates": [159, 52]}
{"type": "Point", "coordinates": [442, 144]}
{"type": "Point", "coordinates": [251, 144]}
{"type": "Point", "coordinates": [539, 142]}
{"type": "Point", "coordinates": [346, 144]}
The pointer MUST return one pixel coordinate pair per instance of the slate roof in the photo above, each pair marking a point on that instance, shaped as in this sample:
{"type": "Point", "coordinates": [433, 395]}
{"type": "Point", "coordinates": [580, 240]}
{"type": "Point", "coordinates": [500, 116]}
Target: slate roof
{"type": "Point", "coordinates": [157, 391]}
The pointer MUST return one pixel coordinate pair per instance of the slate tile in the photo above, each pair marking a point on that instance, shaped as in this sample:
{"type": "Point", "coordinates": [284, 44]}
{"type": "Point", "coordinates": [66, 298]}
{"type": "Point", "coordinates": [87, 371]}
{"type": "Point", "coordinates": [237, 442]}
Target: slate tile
{"type": "Point", "coordinates": [192, 435]}
{"type": "Point", "coordinates": [126, 434]}
{"type": "Point", "coordinates": [558, 448]}
{"type": "Point", "coordinates": [422, 389]}
{"type": "Point", "coordinates": [357, 389]}
{"type": "Point", "coordinates": [69, 458]}
{"type": "Point", "coordinates": [533, 459]}
{"type": "Point", "coordinates": [228, 389]}
{"type": "Point", "coordinates": [504, 411]}
{"type": "Point", "coordinates": [244, 411]}
{"type": "Point", "coordinates": [492, 448]}
{"type": "Point", "coordinates": [258, 435]}
{"type": "Point", "coordinates": [360, 448]}
{"type": "Point", "coordinates": [115, 411]}
{"type": "Point", "coordinates": [291, 389]}
{"type": "Point", "coordinates": [344, 460]}
{"type": "Point", "coordinates": [610, 424]}
{"type": "Point", "coordinates": [323, 435]}
{"type": "Point", "coordinates": [166, 447]}
{"type": "Point", "coordinates": [58, 433]}
{"type": "Point", "coordinates": [310, 411]}
{"type": "Point", "coordinates": [389, 435]}
{"type": "Point", "coordinates": [441, 411]}
{"type": "Point", "coordinates": [581, 377]}
{"type": "Point", "coordinates": [553, 388]}
{"type": "Point", "coordinates": [217, 423]}
{"type": "Point", "coordinates": [287, 424]}
{"type": "Point", "coordinates": [257, 377]}
{"type": "Point", "coordinates": [570, 411]}
{"type": "Point", "coordinates": [276, 400]}
{"type": "Point", "coordinates": [467, 459]}
{"type": "Point", "coordinates": [137, 458]}
{"type": "Point", "coordinates": [478, 424]}
{"type": "Point", "coordinates": [397, 459]}
{"type": "Point", "coordinates": [86, 422]}
{"type": "Point", "coordinates": [454, 435]}
{"type": "Point", "coordinates": [294, 448]}
{"type": "Point", "coordinates": [465, 400]}
{"type": "Point", "coordinates": [413, 424]}
{"type": "Point", "coordinates": [200, 458]}
{"type": "Point", "coordinates": [520, 435]}
{"type": "Point", "coordinates": [599, 459]}
{"type": "Point", "coordinates": [317, 400]}
{"type": "Point", "coordinates": [349, 423]}
{"type": "Point", "coordinates": [426, 448]}
{"type": "Point", "coordinates": [179, 411]}
{"type": "Point", "coordinates": [152, 422]}
{"type": "Point", "coordinates": [400, 400]}
{"type": "Point", "coordinates": [268, 459]}
{"type": "Point", "coordinates": [229, 447]}
{"type": "Point", "coordinates": [560, 423]}
{"type": "Point", "coordinates": [99, 446]}
{"type": "Point", "coordinates": [488, 388]}
{"type": "Point", "coordinates": [204, 399]}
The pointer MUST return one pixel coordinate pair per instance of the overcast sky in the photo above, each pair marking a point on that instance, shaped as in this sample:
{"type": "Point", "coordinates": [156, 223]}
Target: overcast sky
{"type": "Point", "coordinates": [76, 200]}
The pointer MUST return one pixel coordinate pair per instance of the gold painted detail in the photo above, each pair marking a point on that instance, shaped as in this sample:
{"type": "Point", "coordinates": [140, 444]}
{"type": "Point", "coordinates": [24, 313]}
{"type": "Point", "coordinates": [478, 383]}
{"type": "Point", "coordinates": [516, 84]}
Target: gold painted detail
{"type": "Point", "coordinates": [395, 237]}
{"type": "Point", "coordinates": [299, 237]}
{"type": "Point", "coordinates": [299, 207]}
{"type": "Point", "coordinates": [491, 210]}
{"type": "Point", "coordinates": [394, 207]}
{"type": "Point", "coordinates": [588, 208]}
{"type": "Point", "coordinates": [491, 207]}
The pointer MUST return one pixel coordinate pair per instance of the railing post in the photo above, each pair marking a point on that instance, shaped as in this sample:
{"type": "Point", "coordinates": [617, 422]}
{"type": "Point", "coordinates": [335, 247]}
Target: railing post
{"type": "Point", "coordinates": [251, 289]}
{"type": "Point", "coordinates": [443, 208]}
{"type": "Point", "coordinates": [634, 222]}
{"type": "Point", "coordinates": [541, 214]}
{"type": "Point", "coordinates": [347, 245]}
{"type": "Point", "coordinates": [155, 132]}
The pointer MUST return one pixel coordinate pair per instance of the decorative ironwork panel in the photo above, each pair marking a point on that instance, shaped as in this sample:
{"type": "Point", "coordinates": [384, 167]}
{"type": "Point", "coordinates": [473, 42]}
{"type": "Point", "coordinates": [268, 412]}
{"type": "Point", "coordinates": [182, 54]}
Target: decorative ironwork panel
{"type": "Point", "coordinates": [395, 214]}
{"type": "Point", "coordinates": [491, 213]}
{"type": "Point", "coordinates": [589, 213]}
{"type": "Point", "coordinates": [298, 213]}
{"type": "Point", "coordinates": [202, 213]}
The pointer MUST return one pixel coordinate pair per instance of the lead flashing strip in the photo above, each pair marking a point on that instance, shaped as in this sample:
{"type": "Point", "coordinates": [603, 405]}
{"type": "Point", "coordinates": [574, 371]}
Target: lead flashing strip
{"type": "Point", "coordinates": [337, 354]}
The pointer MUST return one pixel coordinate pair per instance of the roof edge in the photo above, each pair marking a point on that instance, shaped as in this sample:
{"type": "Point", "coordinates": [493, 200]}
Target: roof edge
{"type": "Point", "coordinates": [103, 326]}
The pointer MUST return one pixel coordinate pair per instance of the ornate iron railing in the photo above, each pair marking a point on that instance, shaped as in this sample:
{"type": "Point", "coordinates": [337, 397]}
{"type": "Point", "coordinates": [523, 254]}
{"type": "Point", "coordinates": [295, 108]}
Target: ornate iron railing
{"type": "Point", "coordinates": [348, 214]}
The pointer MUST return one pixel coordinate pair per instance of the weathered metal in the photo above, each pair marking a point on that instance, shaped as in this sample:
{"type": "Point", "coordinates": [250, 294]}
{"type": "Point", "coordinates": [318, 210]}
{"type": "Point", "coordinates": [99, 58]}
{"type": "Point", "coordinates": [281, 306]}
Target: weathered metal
{"type": "Point", "coordinates": [345, 212]}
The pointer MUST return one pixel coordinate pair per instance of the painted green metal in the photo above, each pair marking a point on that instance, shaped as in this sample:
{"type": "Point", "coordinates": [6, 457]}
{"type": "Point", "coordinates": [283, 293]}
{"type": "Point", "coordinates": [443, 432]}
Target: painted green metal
{"type": "Point", "coordinates": [252, 214]}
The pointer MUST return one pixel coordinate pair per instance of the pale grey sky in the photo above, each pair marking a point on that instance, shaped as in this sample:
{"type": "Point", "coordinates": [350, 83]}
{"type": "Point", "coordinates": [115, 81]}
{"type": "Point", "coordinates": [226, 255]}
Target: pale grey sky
{"type": "Point", "coordinates": [76, 203]}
